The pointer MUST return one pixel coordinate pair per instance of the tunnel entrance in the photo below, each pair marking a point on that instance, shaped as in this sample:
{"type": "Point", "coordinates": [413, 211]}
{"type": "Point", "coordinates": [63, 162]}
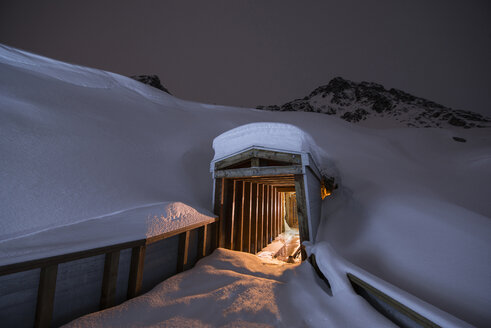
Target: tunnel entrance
{"type": "Point", "coordinates": [262, 195]}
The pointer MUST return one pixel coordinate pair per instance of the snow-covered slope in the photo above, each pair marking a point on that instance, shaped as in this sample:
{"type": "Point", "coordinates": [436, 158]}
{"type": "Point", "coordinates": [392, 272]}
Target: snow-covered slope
{"type": "Point", "coordinates": [370, 104]}
{"type": "Point", "coordinates": [78, 144]}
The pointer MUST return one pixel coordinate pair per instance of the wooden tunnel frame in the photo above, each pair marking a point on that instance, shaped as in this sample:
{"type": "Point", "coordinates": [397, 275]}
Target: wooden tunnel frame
{"type": "Point", "coordinates": [248, 193]}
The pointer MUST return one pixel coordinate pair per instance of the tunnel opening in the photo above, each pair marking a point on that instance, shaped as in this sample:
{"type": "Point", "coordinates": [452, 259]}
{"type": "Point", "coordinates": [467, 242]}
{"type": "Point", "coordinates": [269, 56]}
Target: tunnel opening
{"type": "Point", "coordinates": [268, 201]}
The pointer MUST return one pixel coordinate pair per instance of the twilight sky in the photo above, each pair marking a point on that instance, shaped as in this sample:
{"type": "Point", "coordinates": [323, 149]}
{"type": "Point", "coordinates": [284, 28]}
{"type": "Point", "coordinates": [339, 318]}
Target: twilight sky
{"type": "Point", "coordinates": [247, 53]}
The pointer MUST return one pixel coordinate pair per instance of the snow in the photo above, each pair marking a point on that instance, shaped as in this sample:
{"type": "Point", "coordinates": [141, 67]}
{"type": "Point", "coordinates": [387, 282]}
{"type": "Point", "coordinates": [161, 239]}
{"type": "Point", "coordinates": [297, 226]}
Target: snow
{"type": "Point", "coordinates": [78, 145]}
{"type": "Point", "coordinates": [119, 227]}
{"type": "Point", "coordinates": [277, 136]}
{"type": "Point", "coordinates": [232, 289]}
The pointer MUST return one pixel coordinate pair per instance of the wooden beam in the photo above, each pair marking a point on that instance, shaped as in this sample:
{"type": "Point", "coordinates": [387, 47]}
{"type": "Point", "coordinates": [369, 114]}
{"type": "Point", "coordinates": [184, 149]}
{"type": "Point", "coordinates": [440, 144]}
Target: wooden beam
{"type": "Point", "coordinates": [183, 252]}
{"type": "Point", "coordinates": [239, 216]}
{"type": "Point", "coordinates": [246, 215]}
{"type": "Point", "coordinates": [258, 171]}
{"type": "Point", "coordinates": [136, 271]}
{"type": "Point", "coordinates": [275, 214]}
{"type": "Point", "coordinates": [254, 215]}
{"type": "Point", "coordinates": [202, 241]}
{"type": "Point", "coordinates": [303, 224]}
{"type": "Point", "coordinates": [109, 280]}
{"type": "Point", "coordinates": [254, 162]}
{"type": "Point", "coordinates": [219, 210]}
{"type": "Point", "coordinates": [267, 204]}
{"type": "Point", "coordinates": [260, 218]}
{"type": "Point", "coordinates": [46, 296]}
{"type": "Point", "coordinates": [231, 223]}
{"type": "Point", "coordinates": [413, 315]}
{"type": "Point", "coordinates": [271, 215]}
{"type": "Point", "coordinates": [287, 189]}
{"type": "Point", "coordinates": [259, 153]}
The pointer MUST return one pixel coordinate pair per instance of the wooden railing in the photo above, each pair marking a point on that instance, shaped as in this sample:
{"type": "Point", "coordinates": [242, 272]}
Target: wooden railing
{"type": "Point", "coordinates": [207, 233]}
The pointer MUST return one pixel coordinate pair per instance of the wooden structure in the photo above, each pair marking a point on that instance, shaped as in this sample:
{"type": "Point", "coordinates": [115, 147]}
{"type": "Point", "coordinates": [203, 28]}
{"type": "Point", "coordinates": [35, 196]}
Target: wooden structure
{"type": "Point", "coordinates": [249, 189]}
{"type": "Point", "coordinates": [207, 232]}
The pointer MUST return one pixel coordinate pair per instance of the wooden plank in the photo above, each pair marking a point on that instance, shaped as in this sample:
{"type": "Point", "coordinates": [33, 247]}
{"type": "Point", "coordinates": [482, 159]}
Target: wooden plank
{"type": "Point", "coordinates": [214, 235]}
{"type": "Point", "coordinates": [287, 189]}
{"type": "Point", "coordinates": [413, 315]}
{"type": "Point", "coordinates": [239, 216]}
{"type": "Point", "coordinates": [136, 271]}
{"type": "Point", "coordinates": [258, 171]}
{"type": "Point", "coordinates": [271, 215]}
{"type": "Point", "coordinates": [246, 215]}
{"type": "Point", "coordinates": [109, 280]}
{"type": "Point", "coordinates": [183, 252]}
{"type": "Point", "coordinates": [226, 214]}
{"type": "Point", "coordinates": [275, 214]}
{"type": "Point", "coordinates": [203, 235]}
{"type": "Point", "coordinates": [230, 234]}
{"type": "Point", "coordinates": [52, 260]}
{"type": "Point", "coordinates": [219, 210]}
{"type": "Point", "coordinates": [46, 296]}
{"type": "Point", "coordinates": [268, 214]}
{"type": "Point", "coordinates": [260, 217]}
{"type": "Point", "coordinates": [259, 153]}
{"type": "Point", "coordinates": [303, 224]}
{"type": "Point", "coordinates": [254, 214]}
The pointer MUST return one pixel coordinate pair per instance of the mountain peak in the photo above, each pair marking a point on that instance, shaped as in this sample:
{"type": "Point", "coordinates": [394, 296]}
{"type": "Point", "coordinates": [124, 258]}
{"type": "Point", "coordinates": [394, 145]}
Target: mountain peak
{"type": "Point", "coordinates": [370, 103]}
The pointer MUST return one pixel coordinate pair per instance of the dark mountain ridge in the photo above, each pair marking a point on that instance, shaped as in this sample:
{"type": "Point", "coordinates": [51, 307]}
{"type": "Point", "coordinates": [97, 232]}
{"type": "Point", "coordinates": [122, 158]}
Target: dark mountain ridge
{"type": "Point", "coordinates": [365, 101]}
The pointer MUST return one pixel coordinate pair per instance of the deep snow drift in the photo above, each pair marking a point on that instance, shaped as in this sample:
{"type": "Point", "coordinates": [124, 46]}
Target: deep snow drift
{"type": "Point", "coordinates": [77, 143]}
{"type": "Point", "coordinates": [233, 289]}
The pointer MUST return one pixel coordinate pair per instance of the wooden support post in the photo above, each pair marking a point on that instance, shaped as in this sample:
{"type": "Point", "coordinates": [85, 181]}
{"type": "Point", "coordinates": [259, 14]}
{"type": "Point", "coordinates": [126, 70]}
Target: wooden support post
{"type": "Point", "coordinates": [220, 209]}
{"type": "Point", "coordinates": [183, 252]}
{"type": "Point", "coordinates": [303, 224]}
{"type": "Point", "coordinates": [260, 218]}
{"type": "Point", "coordinates": [109, 280]}
{"type": "Point", "coordinates": [271, 214]}
{"type": "Point", "coordinates": [214, 233]}
{"type": "Point", "coordinates": [202, 241]}
{"type": "Point", "coordinates": [267, 204]}
{"type": "Point", "coordinates": [46, 296]}
{"type": "Point", "coordinates": [239, 216]}
{"type": "Point", "coordinates": [254, 221]}
{"type": "Point", "coordinates": [136, 271]}
{"type": "Point", "coordinates": [246, 215]}
{"type": "Point", "coordinates": [231, 223]}
{"type": "Point", "coordinates": [274, 216]}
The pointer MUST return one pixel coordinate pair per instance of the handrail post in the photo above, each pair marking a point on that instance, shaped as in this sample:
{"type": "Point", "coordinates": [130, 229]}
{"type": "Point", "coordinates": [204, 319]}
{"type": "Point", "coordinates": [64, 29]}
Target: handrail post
{"type": "Point", "coordinates": [46, 296]}
{"type": "Point", "coordinates": [109, 280]}
{"type": "Point", "coordinates": [136, 271]}
{"type": "Point", "coordinates": [182, 255]}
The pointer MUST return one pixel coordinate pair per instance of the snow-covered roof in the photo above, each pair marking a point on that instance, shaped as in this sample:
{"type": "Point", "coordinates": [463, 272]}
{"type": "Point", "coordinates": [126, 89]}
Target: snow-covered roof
{"type": "Point", "coordinates": [266, 135]}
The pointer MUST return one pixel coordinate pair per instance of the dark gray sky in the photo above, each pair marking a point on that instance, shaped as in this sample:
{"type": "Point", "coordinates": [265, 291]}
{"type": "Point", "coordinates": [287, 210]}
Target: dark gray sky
{"type": "Point", "coordinates": [247, 53]}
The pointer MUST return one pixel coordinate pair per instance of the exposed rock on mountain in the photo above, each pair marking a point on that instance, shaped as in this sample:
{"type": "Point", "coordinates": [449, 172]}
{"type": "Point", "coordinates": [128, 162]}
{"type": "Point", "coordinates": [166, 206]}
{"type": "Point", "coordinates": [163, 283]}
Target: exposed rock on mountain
{"type": "Point", "coordinates": [365, 101]}
{"type": "Point", "coordinates": [152, 80]}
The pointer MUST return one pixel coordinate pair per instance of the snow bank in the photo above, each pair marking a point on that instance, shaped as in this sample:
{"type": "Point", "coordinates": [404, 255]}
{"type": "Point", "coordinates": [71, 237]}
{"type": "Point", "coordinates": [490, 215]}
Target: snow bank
{"type": "Point", "coordinates": [277, 136]}
{"type": "Point", "coordinates": [232, 289]}
{"type": "Point", "coordinates": [119, 227]}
